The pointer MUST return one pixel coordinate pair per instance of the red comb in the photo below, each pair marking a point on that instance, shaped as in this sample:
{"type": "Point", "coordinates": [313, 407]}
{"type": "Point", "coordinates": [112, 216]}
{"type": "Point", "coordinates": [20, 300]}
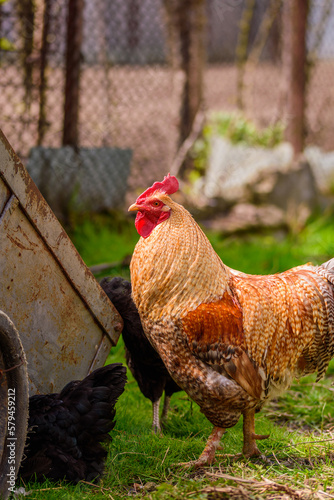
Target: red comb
{"type": "Point", "coordinates": [169, 185]}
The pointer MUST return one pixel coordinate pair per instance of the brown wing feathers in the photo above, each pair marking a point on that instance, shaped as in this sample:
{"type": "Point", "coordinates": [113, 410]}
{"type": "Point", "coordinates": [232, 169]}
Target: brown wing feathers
{"type": "Point", "coordinates": [242, 370]}
{"type": "Point", "coordinates": [215, 335]}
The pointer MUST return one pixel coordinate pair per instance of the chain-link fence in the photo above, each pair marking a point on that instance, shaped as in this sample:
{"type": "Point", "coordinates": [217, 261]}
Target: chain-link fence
{"type": "Point", "coordinates": [118, 64]}
{"type": "Point", "coordinates": [126, 87]}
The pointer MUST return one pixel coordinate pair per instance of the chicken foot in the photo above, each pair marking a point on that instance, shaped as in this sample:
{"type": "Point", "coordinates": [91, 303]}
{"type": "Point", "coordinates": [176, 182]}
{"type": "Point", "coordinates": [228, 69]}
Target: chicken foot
{"type": "Point", "coordinates": [250, 448]}
{"type": "Point", "coordinates": [165, 408]}
{"type": "Point", "coordinates": [208, 454]}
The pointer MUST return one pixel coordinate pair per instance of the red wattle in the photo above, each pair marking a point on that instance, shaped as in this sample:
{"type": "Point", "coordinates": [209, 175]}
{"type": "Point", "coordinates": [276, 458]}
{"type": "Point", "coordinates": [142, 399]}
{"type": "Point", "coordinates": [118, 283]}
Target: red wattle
{"type": "Point", "coordinates": [143, 225]}
{"type": "Point", "coordinates": [145, 222]}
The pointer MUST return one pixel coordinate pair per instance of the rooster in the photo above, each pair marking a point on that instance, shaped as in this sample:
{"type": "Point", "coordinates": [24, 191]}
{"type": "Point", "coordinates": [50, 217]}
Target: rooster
{"type": "Point", "coordinates": [66, 430]}
{"type": "Point", "coordinates": [231, 340]}
{"type": "Point", "coordinates": [144, 362]}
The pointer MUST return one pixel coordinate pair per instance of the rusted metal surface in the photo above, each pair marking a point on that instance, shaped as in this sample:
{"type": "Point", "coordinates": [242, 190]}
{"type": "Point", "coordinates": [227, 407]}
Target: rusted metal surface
{"type": "Point", "coordinates": [66, 322]}
{"type": "Point", "coordinates": [14, 402]}
{"type": "Point", "coordinates": [4, 196]}
{"type": "Point", "coordinates": [3, 406]}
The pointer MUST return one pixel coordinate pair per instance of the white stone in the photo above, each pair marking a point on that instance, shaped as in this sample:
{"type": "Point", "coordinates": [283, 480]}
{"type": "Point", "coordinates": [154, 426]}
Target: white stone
{"type": "Point", "coordinates": [322, 165]}
{"type": "Point", "coordinates": [232, 167]}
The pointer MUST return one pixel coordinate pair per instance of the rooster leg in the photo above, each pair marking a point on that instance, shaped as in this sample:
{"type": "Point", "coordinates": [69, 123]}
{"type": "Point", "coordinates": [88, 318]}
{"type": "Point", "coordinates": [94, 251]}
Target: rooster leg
{"type": "Point", "coordinates": [208, 454]}
{"type": "Point", "coordinates": [165, 407]}
{"type": "Point", "coordinates": [156, 423]}
{"type": "Point", "coordinates": [250, 448]}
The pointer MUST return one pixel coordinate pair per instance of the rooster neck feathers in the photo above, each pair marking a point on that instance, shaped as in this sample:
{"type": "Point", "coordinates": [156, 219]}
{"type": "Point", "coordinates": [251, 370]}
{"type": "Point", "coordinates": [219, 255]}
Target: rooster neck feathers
{"type": "Point", "coordinates": [163, 283]}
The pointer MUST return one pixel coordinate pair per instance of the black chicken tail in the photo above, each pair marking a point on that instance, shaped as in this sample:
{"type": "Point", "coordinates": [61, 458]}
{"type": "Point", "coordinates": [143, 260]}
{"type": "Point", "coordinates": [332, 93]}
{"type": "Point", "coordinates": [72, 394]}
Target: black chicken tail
{"type": "Point", "coordinates": [67, 430]}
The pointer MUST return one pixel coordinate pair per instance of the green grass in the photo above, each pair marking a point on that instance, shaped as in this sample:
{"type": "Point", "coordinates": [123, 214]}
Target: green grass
{"type": "Point", "coordinates": [101, 238]}
{"type": "Point", "coordinates": [104, 239]}
{"type": "Point", "coordinates": [298, 456]}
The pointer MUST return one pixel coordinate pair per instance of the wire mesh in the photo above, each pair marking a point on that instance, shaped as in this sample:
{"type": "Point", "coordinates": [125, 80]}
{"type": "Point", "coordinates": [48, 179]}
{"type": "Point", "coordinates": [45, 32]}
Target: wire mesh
{"type": "Point", "coordinates": [130, 88]}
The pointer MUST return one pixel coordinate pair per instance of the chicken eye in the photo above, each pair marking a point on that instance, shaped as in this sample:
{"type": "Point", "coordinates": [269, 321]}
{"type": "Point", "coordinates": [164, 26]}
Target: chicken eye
{"type": "Point", "coordinates": [156, 203]}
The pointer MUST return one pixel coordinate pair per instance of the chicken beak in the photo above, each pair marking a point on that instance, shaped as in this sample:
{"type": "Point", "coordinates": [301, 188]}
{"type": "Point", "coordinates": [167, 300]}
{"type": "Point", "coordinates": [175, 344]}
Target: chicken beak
{"type": "Point", "coordinates": [133, 208]}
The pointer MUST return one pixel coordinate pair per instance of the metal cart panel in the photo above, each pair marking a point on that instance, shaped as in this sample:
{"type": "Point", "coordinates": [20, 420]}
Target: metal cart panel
{"type": "Point", "coordinates": [65, 321]}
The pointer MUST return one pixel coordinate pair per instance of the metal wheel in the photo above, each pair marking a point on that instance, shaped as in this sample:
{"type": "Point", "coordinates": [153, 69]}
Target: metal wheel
{"type": "Point", "coordinates": [14, 404]}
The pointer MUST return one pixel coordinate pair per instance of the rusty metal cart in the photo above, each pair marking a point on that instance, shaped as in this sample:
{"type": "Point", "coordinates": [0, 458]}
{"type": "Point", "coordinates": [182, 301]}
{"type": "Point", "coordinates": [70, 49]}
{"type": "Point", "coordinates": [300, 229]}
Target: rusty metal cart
{"type": "Point", "coordinates": [56, 323]}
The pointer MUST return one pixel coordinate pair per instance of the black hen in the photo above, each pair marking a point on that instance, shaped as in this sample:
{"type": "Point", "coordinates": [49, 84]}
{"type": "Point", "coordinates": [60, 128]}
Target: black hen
{"type": "Point", "coordinates": [144, 362]}
{"type": "Point", "coordinates": [66, 430]}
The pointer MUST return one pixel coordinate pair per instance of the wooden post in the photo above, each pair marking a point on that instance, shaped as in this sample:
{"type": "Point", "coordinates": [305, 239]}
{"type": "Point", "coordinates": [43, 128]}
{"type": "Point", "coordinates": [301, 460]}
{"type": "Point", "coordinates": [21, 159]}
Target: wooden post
{"type": "Point", "coordinates": [186, 23]}
{"type": "Point", "coordinates": [296, 16]}
{"type": "Point", "coordinates": [26, 12]}
{"type": "Point", "coordinates": [43, 66]}
{"type": "Point", "coordinates": [192, 22]}
{"type": "Point", "coordinates": [133, 13]}
{"type": "Point", "coordinates": [72, 84]}
{"type": "Point", "coordinates": [242, 49]}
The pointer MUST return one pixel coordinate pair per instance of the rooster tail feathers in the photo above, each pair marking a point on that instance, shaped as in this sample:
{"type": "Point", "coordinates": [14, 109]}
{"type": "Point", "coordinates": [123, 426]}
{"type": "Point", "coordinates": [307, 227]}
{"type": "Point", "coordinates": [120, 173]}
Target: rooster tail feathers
{"type": "Point", "coordinates": [327, 270]}
{"type": "Point", "coordinates": [329, 264]}
{"type": "Point", "coordinates": [326, 349]}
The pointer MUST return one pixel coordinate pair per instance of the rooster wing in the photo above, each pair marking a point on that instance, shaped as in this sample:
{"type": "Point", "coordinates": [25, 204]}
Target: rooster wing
{"type": "Point", "coordinates": [215, 335]}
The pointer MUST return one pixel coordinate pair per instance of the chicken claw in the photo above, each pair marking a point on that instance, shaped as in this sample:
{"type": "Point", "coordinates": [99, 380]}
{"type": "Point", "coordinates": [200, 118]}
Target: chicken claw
{"type": "Point", "coordinates": [208, 454]}
{"type": "Point", "coordinates": [250, 448]}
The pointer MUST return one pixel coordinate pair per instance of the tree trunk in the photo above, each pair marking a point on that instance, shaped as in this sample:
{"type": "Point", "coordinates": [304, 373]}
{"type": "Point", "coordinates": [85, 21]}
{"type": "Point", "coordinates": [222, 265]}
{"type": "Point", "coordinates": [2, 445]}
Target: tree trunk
{"type": "Point", "coordinates": [191, 26]}
{"type": "Point", "coordinates": [295, 24]}
{"type": "Point", "coordinates": [43, 78]}
{"type": "Point", "coordinates": [186, 22]}
{"type": "Point", "coordinates": [242, 49]}
{"type": "Point", "coordinates": [26, 14]}
{"type": "Point", "coordinates": [72, 84]}
{"type": "Point", "coordinates": [133, 14]}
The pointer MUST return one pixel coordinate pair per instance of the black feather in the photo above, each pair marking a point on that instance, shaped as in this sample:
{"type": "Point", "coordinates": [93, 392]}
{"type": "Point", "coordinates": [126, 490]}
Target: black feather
{"type": "Point", "coordinates": [66, 431]}
{"type": "Point", "coordinates": [144, 362]}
